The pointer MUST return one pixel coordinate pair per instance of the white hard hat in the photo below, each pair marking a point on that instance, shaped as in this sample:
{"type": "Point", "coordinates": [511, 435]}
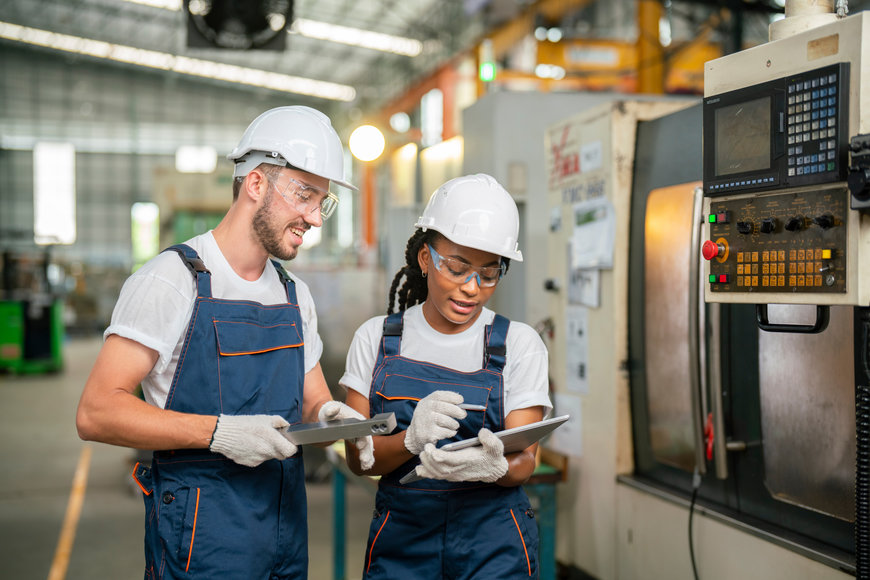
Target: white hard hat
{"type": "Point", "coordinates": [299, 136]}
{"type": "Point", "coordinates": [477, 212]}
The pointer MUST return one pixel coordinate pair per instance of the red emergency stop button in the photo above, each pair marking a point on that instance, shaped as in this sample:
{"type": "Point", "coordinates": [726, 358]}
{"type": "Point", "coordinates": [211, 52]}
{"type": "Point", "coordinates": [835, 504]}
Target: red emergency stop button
{"type": "Point", "coordinates": [711, 250]}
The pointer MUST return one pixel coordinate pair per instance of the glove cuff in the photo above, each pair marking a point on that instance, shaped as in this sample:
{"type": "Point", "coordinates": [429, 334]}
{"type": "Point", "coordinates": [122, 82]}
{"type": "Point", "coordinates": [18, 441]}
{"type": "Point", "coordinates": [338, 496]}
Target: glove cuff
{"type": "Point", "coordinates": [210, 441]}
{"type": "Point", "coordinates": [226, 431]}
{"type": "Point", "coordinates": [410, 445]}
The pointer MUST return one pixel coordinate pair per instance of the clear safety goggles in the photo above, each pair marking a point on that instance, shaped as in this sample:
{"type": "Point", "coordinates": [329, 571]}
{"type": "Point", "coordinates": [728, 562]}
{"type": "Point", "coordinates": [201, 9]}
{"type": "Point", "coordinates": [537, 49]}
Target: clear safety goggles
{"type": "Point", "coordinates": [304, 198]}
{"type": "Point", "coordinates": [461, 272]}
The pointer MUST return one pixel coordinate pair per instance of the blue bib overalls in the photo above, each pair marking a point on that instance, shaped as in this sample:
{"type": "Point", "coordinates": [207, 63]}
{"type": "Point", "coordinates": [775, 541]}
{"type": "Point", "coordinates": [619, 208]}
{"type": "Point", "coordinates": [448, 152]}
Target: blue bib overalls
{"type": "Point", "coordinates": [205, 515]}
{"type": "Point", "coordinates": [439, 529]}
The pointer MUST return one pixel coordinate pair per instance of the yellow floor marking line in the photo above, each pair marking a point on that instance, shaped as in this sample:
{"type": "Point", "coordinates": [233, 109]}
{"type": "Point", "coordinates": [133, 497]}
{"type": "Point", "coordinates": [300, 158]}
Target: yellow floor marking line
{"type": "Point", "coordinates": [71, 519]}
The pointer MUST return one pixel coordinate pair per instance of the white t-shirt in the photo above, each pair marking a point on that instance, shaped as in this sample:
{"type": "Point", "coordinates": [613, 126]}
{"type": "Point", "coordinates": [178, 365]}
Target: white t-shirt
{"type": "Point", "coordinates": [156, 302]}
{"type": "Point", "coordinates": [525, 373]}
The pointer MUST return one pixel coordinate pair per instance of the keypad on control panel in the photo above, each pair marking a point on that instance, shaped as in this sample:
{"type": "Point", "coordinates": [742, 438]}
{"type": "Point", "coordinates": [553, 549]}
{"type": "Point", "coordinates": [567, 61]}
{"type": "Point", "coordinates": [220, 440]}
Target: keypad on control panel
{"type": "Point", "coordinates": [812, 125]}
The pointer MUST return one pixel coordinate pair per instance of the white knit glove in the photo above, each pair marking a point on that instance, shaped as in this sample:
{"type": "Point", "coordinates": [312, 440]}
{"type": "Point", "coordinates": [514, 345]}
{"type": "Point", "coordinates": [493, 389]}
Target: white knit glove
{"type": "Point", "coordinates": [335, 410]}
{"type": "Point", "coordinates": [484, 462]}
{"type": "Point", "coordinates": [251, 439]}
{"type": "Point", "coordinates": [434, 419]}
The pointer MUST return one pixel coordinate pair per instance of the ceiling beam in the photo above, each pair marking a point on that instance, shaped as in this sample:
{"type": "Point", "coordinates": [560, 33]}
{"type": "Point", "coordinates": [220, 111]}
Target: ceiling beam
{"type": "Point", "coordinates": [508, 35]}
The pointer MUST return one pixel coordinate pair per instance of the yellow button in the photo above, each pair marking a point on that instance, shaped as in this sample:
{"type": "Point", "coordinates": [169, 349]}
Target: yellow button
{"type": "Point", "coordinates": [739, 257]}
{"type": "Point", "coordinates": [826, 254]}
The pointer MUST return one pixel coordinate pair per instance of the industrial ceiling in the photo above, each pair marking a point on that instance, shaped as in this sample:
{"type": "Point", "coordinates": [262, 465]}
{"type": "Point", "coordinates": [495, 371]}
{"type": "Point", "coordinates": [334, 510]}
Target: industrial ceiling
{"type": "Point", "coordinates": [316, 68]}
{"type": "Point", "coordinates": [318, 64]}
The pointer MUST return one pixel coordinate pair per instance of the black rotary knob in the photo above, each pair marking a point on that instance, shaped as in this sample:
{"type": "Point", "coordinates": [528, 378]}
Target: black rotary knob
{"type": "Point", "coordinates": [744, 228]}
{"type": "Point", "coordinates": [794, 224]}
{"type": "Point", "coordinates": [824, 221]}
{"type": "Point", "coordinates": [768, 225]}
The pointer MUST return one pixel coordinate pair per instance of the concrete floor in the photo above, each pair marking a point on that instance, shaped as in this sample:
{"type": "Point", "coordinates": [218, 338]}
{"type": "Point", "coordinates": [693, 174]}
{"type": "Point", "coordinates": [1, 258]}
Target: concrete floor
{"type": "Point", "coordinates": [39, 453]}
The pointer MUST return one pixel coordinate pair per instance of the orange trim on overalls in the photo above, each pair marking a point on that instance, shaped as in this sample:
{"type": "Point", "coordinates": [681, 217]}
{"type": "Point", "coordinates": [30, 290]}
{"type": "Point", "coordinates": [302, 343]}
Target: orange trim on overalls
{"type": "Point", "coordinates": [133, 475]}
{"type": "Point", "coordinates": [193, 532]}
{"type": "Point", "coordinates": [523, 540]}
{"type": "Point", "coordinates": [398, 398]}
{"type": "Point", "coordinates": [375, 541]}
{"type": "Point", "coordinates": [261, 351]}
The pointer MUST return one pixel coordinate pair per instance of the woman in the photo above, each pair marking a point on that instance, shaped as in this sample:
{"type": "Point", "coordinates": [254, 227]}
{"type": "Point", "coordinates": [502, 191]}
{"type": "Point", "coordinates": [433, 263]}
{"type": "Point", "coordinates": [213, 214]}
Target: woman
{"type": "Point", "coordinates": [466, 517]}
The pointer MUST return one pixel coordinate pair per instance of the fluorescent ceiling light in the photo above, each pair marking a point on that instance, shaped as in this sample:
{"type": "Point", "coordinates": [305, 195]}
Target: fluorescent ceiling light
{"type": "Point", "coordinates": [357, 37]}
{"type": "Point", "coordinates": [179, 64]}
{"type": "Point", "coordinates": [174, 5]}
{"type": "Point", "coordinates": [327, 31]}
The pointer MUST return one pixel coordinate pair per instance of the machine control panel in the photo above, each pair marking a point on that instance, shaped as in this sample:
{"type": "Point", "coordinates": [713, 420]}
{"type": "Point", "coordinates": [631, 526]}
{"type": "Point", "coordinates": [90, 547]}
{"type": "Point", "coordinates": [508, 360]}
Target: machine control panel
{"type": "Point", "coordinates": [778, 242]}
{"type": "Point", "coordinates": [786, 132]}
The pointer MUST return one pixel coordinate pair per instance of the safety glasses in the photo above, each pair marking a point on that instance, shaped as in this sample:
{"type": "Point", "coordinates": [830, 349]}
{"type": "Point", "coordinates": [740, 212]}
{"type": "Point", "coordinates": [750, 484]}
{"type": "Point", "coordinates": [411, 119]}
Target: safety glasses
{"type": "Point", "coordinates": [307, 198]}
{"type": "Point", "coordinates": [460, 272]}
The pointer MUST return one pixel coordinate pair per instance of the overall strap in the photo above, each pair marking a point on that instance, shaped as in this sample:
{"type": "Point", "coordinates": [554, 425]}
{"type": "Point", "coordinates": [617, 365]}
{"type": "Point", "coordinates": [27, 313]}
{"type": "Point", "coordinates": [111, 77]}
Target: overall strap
{"type": "Point", "coordinates": [289, 284]}
{"type": "Point", "coordinates": [392, 341]}
{"type": "Point", "coordinates": [495, 344]}
{"type": "Point", "coordinates": [196, 266]}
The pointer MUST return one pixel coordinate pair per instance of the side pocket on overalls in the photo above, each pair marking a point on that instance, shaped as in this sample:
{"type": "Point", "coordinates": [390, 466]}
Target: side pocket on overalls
{"type": "Point", "coordinates": [379, 521]}
{"type": "Point", "coordinates": [173, 530]}
{"type": "Point", "coordinates": [188, 534]}
{"type": "Point", "coordinates": [527, 530]}
{"type": "Point", "coordinates": [142, 476]}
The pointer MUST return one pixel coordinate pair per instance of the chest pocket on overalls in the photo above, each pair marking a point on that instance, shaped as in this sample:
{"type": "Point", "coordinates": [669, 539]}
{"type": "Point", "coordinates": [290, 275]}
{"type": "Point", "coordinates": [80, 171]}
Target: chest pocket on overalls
{"type": "Point", "coordinates": [400, 394]}
{"type": "Point", "coordinates": [248, 345]}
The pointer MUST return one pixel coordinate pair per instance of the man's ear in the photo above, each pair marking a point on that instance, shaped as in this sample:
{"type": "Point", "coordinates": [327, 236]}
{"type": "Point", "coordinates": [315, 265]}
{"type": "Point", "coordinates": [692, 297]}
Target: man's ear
{"type": "Point", "coordinates": [255, 185]}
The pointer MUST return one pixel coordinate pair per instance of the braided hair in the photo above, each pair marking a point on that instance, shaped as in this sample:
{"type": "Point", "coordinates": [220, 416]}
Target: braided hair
{"type": "Point", "coordinates": [414, 290]}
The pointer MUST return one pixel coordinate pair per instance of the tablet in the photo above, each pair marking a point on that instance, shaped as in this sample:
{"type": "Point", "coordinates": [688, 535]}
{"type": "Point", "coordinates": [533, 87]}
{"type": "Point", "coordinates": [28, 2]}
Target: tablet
{"type": "Point", "coordinates": [306, 433]}
{"type": "Point", "coordinates": [517, 438]}
{"type": "Point", "coordinates": [514, 439]}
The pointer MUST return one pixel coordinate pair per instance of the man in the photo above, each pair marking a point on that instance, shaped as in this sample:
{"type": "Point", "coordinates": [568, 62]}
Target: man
{"type": "Point", "coordinates": [225, 346]}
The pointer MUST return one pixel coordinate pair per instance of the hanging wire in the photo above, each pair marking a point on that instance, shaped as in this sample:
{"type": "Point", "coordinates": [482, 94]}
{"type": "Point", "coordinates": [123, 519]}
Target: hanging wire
{"type": "Point", "coordinates": [696, 483]}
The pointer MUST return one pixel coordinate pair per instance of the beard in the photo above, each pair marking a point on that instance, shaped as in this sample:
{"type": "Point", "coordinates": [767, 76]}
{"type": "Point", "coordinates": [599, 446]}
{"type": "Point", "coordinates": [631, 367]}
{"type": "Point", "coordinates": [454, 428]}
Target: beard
{"type": "Point", "coordinates": [269, 233]}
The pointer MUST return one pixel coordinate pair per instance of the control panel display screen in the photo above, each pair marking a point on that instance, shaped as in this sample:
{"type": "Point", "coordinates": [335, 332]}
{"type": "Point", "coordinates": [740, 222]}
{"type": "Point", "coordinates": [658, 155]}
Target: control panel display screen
{"type": "Point", "coordinates": [743, 137]}
{"type": "Point", "coordinates": [786, 132]}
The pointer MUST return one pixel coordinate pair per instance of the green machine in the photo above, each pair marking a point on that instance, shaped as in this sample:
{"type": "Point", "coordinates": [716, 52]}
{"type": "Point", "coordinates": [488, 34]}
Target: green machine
{"type": "Point", "coordinates": [31, 315]}
{"type": "Point", "coordinates": [31, 336]}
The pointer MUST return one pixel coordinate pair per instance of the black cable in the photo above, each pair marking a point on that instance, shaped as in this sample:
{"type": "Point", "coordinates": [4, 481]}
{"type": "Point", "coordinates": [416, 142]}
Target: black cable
{"type": "Point", "coordinates": [696, 483]}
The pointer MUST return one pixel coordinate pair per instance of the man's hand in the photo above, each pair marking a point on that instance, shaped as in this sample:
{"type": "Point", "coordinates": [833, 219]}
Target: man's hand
{"type": "Point", "coordinates": [434, 419]}
{"type": "Point", "coordinates": [485, 462]}
{"type": "Point", "coordinates": [251, 439]}
{"type": "Point", "coordinates": [335, 410]}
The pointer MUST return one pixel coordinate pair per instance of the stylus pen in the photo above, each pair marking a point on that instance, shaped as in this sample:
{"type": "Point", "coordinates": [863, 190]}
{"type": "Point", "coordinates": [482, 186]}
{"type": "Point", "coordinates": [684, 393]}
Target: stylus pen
{"type": "Point", "coordinates": [470, 407]}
